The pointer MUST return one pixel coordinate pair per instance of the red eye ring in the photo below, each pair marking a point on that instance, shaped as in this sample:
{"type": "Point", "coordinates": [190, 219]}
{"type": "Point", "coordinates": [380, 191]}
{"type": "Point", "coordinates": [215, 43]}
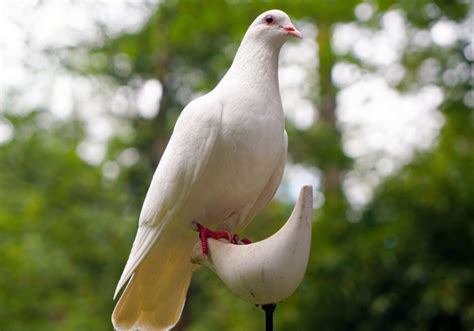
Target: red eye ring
{"type": "Point", "coordinates": [269, 19]}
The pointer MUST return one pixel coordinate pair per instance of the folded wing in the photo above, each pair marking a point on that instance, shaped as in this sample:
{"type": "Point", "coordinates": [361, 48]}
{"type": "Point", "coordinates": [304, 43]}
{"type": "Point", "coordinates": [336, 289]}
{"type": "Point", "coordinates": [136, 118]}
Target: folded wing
{"type": "Point", "coordinates": [182, 163]}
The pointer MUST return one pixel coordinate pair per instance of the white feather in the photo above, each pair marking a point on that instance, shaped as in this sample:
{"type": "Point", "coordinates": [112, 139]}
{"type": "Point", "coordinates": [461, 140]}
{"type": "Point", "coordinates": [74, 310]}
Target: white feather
{"type": "Point", "coordinates": [182, 163]}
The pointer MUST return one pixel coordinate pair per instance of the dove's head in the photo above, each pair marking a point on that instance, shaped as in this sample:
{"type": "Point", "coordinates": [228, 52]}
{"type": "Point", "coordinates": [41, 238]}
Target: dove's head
{"type": "Point", "coordinates": [273, 26]}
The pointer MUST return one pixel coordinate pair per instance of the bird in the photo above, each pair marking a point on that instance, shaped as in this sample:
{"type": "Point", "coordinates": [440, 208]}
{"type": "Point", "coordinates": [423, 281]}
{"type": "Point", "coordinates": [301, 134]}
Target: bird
{"type": "Point", "coordinates": [223, 163]}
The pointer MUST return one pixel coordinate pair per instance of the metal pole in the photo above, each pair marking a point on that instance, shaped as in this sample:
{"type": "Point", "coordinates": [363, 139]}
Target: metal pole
{"type": "Point", "coordinates": [269, 309]}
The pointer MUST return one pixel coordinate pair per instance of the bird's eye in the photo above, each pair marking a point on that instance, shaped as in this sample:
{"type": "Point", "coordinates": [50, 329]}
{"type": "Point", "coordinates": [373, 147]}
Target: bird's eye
{"type": "Point", "coordinates": [269, 19]}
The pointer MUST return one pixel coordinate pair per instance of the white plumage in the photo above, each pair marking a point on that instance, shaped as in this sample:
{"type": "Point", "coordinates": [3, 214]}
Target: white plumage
{"type": "Point", "coordinates": [223, 163]}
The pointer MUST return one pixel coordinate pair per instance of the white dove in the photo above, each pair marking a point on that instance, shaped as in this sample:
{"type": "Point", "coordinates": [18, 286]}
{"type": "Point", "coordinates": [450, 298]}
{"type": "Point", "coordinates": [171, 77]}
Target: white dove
{"type": "Point", "coordinates": [223, 163]}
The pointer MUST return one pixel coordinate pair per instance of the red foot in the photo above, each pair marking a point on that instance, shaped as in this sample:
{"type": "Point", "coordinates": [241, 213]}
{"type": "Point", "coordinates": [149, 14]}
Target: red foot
{"type": "Point", "coordinates": [236, 240]}
{"type": "Point", "coordinates": [205, 233]}
{"type": "Point", "coordinates": [246, 241]}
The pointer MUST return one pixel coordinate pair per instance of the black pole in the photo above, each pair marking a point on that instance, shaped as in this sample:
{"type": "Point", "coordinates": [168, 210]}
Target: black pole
{"type": "Point", "coordinates": [269, 309]}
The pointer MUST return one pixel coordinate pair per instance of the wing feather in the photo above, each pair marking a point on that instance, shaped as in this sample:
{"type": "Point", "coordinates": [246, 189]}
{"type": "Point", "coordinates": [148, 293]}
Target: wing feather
{"type": "Point", "coordinates": [182, 163]}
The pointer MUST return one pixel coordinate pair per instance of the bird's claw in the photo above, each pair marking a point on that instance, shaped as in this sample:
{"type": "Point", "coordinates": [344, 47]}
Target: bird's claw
{"type": "Point", "coordinates": [236, 240]}
{"type": "Point", "coordinates": [246, 241]}
{"type": "Point", "coordinates": [205, 233]}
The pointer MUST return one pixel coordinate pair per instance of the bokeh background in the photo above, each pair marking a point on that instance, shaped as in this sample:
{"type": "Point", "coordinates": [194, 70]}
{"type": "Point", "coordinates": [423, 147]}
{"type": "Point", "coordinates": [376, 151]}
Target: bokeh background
{"type": "Point", "coordinates": [379, 106]}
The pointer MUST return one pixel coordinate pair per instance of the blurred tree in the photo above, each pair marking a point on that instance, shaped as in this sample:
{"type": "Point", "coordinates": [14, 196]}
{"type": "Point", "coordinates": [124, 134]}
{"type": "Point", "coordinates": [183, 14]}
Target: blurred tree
{"type": "Point", "coordinates": [61, 225]}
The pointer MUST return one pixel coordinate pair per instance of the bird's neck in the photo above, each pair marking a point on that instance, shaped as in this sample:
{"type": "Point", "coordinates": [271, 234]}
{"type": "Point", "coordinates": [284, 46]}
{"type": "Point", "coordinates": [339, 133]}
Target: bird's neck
{"type": "Point", "coordinates": [255, 63]}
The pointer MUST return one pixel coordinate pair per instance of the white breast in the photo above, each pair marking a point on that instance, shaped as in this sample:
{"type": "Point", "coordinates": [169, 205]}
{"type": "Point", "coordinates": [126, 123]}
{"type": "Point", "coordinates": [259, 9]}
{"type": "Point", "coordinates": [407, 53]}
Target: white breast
{"type": "Point", "coordinates": [246, 155]}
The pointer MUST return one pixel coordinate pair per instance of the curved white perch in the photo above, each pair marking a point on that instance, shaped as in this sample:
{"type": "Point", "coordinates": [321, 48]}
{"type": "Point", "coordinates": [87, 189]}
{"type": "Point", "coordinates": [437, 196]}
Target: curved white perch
{"type": "Point", "coordinates": [270, 270]}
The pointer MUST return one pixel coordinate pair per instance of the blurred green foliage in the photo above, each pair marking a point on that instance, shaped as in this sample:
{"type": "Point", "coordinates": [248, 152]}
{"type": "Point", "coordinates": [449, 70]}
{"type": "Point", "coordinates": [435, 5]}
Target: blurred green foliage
{"type": "Point", "coordinates": [58, 230]}
{"type": "Point", "coordinates": [405, 262]}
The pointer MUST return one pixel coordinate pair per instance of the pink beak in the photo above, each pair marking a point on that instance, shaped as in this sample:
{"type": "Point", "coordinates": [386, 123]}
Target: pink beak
{"type": "Point", "coordinates": [291, 30]}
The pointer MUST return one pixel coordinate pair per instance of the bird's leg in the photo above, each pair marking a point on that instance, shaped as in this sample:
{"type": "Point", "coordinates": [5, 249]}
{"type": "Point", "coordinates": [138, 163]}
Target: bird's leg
{"type": "Point", "coordinates": [205, 233]}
